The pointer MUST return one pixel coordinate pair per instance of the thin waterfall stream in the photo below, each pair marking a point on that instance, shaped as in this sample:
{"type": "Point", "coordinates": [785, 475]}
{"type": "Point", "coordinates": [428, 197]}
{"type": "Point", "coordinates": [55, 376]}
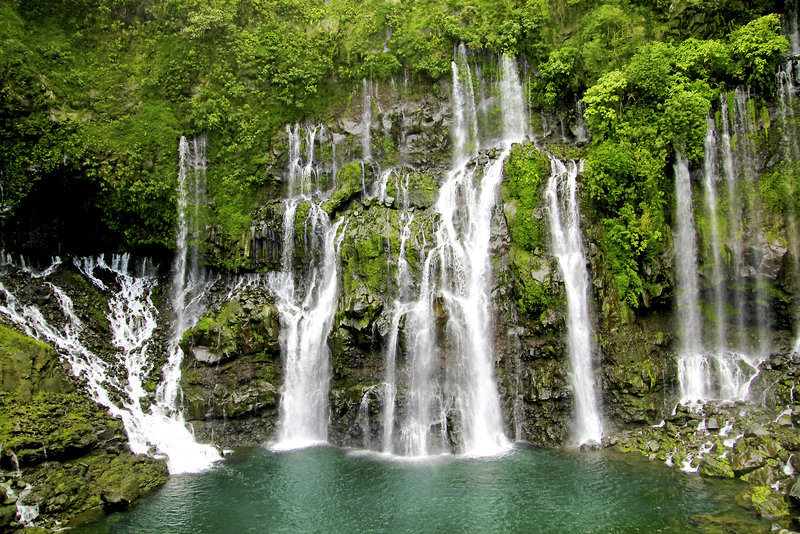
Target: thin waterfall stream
{"type": "Point", "coordinates": [564, 216]}
{"type": "Point", "coordinates": [693, 366]}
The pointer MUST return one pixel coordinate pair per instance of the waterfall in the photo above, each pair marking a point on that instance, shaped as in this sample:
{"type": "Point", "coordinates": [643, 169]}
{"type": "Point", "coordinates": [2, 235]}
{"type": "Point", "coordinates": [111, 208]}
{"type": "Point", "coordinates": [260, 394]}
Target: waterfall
{"type": "Point", "coordinates": [710, 187]}
{"type": "Point", "coordinates": [792, 27]}
{"type": "Point", "coordinates": [564, 219]}
{"type": "Point", "coordinates": [306, 307]}
{"type": "Point", "coordinates": [366, 121]}
{"type": "Point", "coordinates": [189, 283]}
{"type": "Point", "coordinates": [455, 280]}
{"type": "Point", "coordinates": [424, 393]}
{"type": "Point", "coordinates": [693, 367]}
{"type": "Point", "coordinates": [401, 307]}
{"type": "Point", "coordinates": [188, 278]}
{"type": "Point", "coordinates": [581, 132]}
{"type": "Point", "coordinates": [794, 241]}
{"type": "Point", "coordinates": [132, 318]}
{"type": "Point", "coordinates": [721, 373]}
{"type": "Point", "coordinates": [463, 101]}
{"type": "Point", "coordinates": [466, 296]}
{"type": "Point", "coordinates": [734, 224]}
{"type": "Point", "coordinates": [744, 127]}
{"type": "Point", "coordinates": [791, 143]}
{"type": "Point", "coordinates": [733, 370]}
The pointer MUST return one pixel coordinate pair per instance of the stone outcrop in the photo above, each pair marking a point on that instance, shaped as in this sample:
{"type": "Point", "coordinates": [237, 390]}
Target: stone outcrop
{"type": "Point", "coordinates": [64, 459]}
{"type": "Point", "coordinates": [231, 371]}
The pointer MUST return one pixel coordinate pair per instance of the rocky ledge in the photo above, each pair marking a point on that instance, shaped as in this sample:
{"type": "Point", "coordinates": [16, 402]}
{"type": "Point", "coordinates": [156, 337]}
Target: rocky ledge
{"type": "Point", "coordinates": [63, 459]}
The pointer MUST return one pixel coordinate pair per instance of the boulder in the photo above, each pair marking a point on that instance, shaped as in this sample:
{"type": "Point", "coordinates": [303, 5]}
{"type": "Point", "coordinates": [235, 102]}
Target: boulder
{"type": "Point", "coordinates": [121, 495]}
{"type": "Point", "coordinates": [768, 503]}
{"type": "Point", "coordinates": [7, 515]}
{"type": "Point", "coordinates": [747, 461]}
{"type": "Point", "coordinates": [794, 491]}
{"type": "Point", "coordinates": [715, 467]}
{"type": "Point", "coordinates": [763, 476]}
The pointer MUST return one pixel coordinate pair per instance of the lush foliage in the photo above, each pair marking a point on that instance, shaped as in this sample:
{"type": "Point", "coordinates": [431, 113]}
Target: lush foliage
{"type": "Point", "coordinates": [640, 115]}
{"type": "Point", "coordinates": [94, 95]}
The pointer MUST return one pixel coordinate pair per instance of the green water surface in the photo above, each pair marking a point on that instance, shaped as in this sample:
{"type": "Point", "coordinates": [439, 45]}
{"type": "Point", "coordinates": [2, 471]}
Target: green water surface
{"type": "Point", "coordinates": [327, 489]}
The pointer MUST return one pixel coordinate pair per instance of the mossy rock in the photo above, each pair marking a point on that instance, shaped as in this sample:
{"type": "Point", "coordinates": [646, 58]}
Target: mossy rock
{"type": "Point", "coordinates": [238, 328]}
{"type": "Point", "coordinates": [29, 366]}
{"type": "Point", "coordinates": [768, 503]}
{"type": "Point", "coordinates": [715, 467]}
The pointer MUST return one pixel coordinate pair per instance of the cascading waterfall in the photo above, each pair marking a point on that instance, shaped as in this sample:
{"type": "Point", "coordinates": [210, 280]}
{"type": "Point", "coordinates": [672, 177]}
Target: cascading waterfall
{"type": "Point", "coordinates": [744, 128]}
{"type": "Point", "coordinates": [463, 261]}
{"type": "Point", "coordinates": [732, 371]}
{"type": "Point", "coordinates": [132, 317]}
{"type": "Point", "coordinates": [564, 218]}
{"type": "Point", "coordinates": [710, 188]}
{"type": "Point", "coordinates": [188, 277]}
{"type": "Point", "coordinates": [791, 139]}
{"type": "Point", "coordinates": [366, 121]}
{"type": "Point", "coordinates": [794, 242]}
{"type": "Point", "coordinates": [463, 102]}
{"type": "Point", "coordinates": [581, 132]}
{"type": "Point", "coordinates": [792, 27]}
{"type": "Point", "coordinates": [306, 308]}
{"type": "Point", "coordinates": [401, 307]}
{"type": "Point", "coordinates": [726, 370]}
{"type": "Point", "coordinates": [734, 223]}
{"type": "Point", "coordinates": [693, 366]}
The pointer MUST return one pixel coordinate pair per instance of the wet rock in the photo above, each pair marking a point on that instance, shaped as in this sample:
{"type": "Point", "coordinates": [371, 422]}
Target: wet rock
{"type": "Point", "coordinates": [206, 355]}
{"type": "Point", "coordinates": [122, 495]}
{"type": "Point", "coordinates": [771, 449]}
{"type": "Point", "coordinates": [715, 467]}
{"type": "Point", "coordinates": [768, 503]}
{"type": "Point", "coordinates": [746, 462]}
{"type": "Point", "coordinates": [70, 450]}
{"type": "Point", "coordinates": [794, 491]}
{"type": "Point", "coordinates": [7, 515]}
{"type": "Point", "coordinates": [785, 420]}
{"type": "Point", "coordinates": [755, 430]}
{"type": "Point", "coordinates": [712, 424]}
{"type": "Point", "coordinates": [763, 476]}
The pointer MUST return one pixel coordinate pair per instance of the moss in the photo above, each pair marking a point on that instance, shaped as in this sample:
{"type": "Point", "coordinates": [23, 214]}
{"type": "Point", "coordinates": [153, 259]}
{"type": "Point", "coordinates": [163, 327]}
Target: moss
{"type": "Point", "coordinates": [385, 151]}
{"type": "Point", "coordinates": [767, 502]}
{"type": "Point", "coordinates": [715, 467]}
{"type": "Point", "coordinates": [526, 170]}
{"type": "Point", "coordinates": [533, 294]}
{"type": "Point", "coordinates": [349, 180]}
{"type": "Point", "coordinates": [300, 217]}
{"type": "Point", "coordinates": [29, 367]}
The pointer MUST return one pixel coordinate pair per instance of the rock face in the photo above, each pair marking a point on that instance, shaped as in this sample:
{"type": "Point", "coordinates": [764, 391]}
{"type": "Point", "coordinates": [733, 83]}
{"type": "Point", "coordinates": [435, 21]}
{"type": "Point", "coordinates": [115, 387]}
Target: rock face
{"type": "Point", "coordinates": [231, 372]}
{"type": "Point", "coordinates": [63, 457]}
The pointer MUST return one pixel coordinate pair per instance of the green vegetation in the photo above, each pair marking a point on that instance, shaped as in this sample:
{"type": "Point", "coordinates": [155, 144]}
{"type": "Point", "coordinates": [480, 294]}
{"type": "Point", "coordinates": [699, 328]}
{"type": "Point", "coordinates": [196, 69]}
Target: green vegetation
{"type": "Point", "coordinates": [526, 171]}
{"type": "Point", "coordinates": [94, 95]}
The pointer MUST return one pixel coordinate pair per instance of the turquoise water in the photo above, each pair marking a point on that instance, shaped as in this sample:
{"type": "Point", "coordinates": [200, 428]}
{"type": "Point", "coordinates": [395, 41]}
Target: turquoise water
{"type": "Point", "coordinates": [332, 490]}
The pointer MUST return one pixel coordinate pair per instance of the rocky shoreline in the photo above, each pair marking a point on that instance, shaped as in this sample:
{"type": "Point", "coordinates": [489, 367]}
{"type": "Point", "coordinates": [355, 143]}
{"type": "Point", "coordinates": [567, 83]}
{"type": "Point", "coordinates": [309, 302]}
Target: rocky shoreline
{"type": "Point", "coordinates": [757, 444]}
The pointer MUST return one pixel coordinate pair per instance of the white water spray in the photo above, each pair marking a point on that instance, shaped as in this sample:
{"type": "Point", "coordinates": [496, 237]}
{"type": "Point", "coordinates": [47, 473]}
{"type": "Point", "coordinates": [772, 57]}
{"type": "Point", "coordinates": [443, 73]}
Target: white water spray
{"type": "Point", "coordinates": [693, 366]}
{"type": "Point", "coordinates": [306, 307]}
{"type": "Point", "coordinates": [564, 218]}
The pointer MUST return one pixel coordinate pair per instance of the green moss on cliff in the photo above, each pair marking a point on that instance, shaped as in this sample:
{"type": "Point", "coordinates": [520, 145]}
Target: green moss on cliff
{"type": "Point", "coordinates": [526, 171]}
